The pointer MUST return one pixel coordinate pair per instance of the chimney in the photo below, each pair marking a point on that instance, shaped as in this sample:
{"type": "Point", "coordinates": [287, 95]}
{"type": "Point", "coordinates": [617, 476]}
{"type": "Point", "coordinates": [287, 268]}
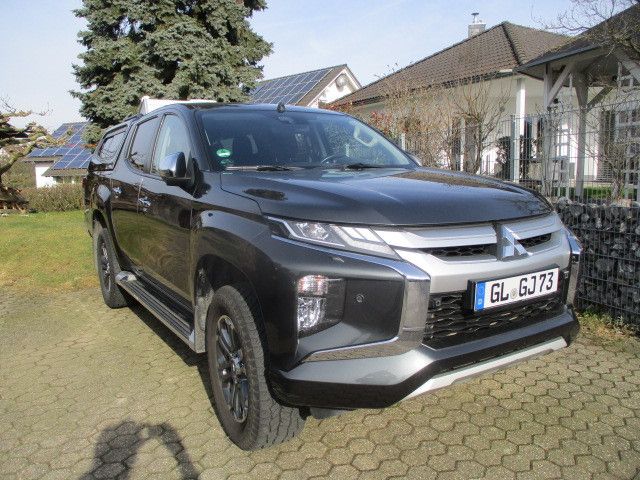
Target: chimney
{"type": "Point", "coordinates": [476, 26]}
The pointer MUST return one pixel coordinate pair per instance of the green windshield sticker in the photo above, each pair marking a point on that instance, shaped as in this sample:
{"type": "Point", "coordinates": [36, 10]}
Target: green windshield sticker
{"type": "Point", "coordinates": [223, 153]}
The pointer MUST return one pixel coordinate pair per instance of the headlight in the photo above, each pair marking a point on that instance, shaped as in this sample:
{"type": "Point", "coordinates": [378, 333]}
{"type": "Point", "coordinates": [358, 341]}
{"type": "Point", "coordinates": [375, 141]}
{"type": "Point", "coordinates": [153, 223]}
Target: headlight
{"type": "Point", "coordinates": [353, 238]}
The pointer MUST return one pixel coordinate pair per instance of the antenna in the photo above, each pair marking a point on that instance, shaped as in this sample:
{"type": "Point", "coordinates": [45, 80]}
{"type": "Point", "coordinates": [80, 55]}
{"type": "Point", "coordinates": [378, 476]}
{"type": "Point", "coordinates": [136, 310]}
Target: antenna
{"type": "Point", "coordinates": [280, 107]}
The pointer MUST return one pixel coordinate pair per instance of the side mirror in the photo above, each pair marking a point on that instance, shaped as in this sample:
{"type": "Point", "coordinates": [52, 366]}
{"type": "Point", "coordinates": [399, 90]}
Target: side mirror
{"type": "Point", "coordinates": [173, 169]}
{"type": "Point", "coordinates": [414, 158]}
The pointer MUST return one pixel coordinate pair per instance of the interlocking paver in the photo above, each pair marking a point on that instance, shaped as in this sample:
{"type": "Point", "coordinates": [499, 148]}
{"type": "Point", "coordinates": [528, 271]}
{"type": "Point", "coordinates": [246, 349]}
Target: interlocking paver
{"type": "Point", "coordinates": [87, 392]}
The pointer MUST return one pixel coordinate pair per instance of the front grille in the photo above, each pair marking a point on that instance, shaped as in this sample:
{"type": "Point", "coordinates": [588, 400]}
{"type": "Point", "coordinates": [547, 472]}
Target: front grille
{"type": "Point", "coordinates": [449, 322]}
{"type": "Point", "coordinates": [464, 251]}
{"type": "Point", "coordinates": [535, 241]}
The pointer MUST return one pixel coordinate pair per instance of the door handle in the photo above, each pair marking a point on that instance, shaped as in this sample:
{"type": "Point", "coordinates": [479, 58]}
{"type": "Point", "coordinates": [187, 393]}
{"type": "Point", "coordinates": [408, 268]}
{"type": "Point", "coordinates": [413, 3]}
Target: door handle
{"type": "Point", "coordinates": [117, 191]}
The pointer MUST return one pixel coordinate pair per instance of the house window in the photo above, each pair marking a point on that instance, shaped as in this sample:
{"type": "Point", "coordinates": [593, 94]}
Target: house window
{"type": "Point", "coordinates": [619, 146]}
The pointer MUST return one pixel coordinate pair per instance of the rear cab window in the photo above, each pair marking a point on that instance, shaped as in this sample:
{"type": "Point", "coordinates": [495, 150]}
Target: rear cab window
{"type": "Point", "coordinates": [110, 146]}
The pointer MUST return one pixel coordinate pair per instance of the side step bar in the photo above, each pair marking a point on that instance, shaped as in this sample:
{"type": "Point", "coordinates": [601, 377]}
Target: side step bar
{"type": "Point", "coordinates": [159, 309]}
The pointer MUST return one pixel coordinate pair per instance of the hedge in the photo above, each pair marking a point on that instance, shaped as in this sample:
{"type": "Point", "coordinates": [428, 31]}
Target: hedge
{"type": "Point", "coordinates": [58, 198]}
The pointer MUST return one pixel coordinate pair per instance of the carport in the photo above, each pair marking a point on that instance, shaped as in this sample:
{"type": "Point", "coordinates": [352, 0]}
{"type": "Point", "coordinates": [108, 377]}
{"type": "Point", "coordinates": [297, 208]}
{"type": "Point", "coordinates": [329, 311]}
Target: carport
{"type": "Point", "coordinates": [592, 67]}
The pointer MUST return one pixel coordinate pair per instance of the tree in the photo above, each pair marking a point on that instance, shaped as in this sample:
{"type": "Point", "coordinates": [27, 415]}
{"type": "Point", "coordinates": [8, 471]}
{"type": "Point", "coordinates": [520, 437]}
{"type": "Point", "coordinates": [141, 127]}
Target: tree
{"type": "Point", "coordinates": [613, 24]}
{"type": "Point", "coordinates": [481, 104]}
{"type": "Point", "coordinates": [419, 114]}
{"type": "Point", "coordinates": [432, 116]}
{"type": "Point", "coordinates": [16, 143]}
{"type": "Point", "coordinates": [179, 49]}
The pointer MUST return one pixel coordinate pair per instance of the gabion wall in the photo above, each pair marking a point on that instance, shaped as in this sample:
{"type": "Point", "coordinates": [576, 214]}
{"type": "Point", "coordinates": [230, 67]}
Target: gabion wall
{"type": "Point", "coordinates": [610, 236]}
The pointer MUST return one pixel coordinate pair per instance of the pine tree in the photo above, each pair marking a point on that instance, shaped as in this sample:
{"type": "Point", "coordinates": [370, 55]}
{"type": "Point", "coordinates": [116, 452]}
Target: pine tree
{"type": "Point", "coordinates": [177, 49]}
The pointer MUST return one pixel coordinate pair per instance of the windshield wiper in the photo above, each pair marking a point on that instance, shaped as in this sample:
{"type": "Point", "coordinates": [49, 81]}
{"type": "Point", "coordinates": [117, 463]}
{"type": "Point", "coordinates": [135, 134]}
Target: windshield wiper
{"type": "Point", "coordinates": [362, 166]}
{"type": "Point", "coordinates": [262, 168]}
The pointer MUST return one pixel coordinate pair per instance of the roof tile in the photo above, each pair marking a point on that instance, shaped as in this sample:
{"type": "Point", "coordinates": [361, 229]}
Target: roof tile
{"type": "Point", "coordinates": [502, 47]}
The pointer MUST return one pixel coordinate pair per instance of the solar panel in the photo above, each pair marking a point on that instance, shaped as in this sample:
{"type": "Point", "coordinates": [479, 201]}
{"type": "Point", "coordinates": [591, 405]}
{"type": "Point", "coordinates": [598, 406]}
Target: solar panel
{"type": "Point", "coordinates": [74, 131]}
{"type": "Point", "coordinates": [73, 153]}
{"type": "Point", "coordinates": [290, 89]}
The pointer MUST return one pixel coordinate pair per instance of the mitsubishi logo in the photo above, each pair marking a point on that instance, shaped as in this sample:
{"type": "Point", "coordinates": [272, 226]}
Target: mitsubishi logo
{"type": "Point", "coordinates": [508, 247]}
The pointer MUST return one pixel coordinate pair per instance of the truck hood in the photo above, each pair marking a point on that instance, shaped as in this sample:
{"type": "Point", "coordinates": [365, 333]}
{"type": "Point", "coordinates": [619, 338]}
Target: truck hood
{"type": "Point", "coordinates": [389, 196]}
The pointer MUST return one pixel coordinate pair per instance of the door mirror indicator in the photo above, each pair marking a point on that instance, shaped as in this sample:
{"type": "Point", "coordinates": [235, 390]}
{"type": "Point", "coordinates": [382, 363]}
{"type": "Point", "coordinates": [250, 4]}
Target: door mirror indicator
{"type": "Point", "coordinates": [173, 169]}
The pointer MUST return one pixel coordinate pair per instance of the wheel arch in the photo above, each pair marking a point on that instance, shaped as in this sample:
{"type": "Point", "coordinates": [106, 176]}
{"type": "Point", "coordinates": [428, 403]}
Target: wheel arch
{"type": "Point", "coordinates": [98, 217]}
{"type": "Point", "coordinates": [211, 273]}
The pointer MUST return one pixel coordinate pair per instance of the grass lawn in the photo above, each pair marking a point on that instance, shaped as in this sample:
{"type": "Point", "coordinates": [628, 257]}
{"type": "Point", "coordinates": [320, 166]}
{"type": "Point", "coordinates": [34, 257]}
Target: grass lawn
{"type": "Point", "coordinates": [46, 252]}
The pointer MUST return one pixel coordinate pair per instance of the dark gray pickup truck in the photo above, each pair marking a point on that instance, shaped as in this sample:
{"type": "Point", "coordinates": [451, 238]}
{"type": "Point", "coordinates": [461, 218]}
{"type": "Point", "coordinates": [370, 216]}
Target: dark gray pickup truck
{"type": "Point", "coordinates": [317, 265]}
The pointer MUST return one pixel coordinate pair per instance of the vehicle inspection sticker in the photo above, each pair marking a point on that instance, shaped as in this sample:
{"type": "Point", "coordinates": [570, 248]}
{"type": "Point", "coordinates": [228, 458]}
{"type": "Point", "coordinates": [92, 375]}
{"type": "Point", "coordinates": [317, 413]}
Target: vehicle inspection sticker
{"type": "Point", "coordinates": [223, 153]}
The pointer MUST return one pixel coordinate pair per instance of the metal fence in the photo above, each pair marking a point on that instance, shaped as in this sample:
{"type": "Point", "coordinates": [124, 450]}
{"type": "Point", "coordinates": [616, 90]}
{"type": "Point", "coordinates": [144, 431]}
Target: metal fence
{"type": "Point", "coordinates": [586, 162]}
{"type": "Point", "coordinates": [587, 154]}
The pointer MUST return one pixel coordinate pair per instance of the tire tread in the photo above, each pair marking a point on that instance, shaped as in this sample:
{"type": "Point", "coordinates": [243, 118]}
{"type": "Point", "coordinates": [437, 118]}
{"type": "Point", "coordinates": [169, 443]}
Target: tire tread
{"type": "Point", "coordinates": [276, 423]}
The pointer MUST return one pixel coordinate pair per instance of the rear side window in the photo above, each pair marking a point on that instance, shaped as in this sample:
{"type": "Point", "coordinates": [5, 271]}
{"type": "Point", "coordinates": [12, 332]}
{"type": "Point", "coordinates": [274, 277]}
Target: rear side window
{"type": "Point", "coordinates": [142, 144]}
{"type": "Point", "coordinates": [111, 146]}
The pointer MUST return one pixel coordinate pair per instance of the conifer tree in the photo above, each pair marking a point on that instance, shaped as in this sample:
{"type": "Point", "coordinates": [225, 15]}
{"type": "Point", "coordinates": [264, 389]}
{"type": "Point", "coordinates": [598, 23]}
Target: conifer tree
{"type": "Point", "coordinates": [178, 49]}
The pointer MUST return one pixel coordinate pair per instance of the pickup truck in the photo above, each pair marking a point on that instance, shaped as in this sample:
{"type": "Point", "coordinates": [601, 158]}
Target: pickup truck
{"type": "Point", "coordinates": [317, 265]}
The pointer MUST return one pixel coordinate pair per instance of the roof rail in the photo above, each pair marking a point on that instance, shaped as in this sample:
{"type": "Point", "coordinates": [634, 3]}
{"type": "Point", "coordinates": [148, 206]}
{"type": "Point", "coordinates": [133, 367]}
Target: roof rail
{"type": "Point", "coordinates": [132, 117]}
{"type": "Point", "coordinates": [148, 104]}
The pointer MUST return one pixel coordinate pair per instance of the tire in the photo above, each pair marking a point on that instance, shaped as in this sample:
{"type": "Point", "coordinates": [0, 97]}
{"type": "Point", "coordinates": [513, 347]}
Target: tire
{"type": "Point", "coordinates": [107, 267]}
{"type": "Point", "coordinates": [259, 421]}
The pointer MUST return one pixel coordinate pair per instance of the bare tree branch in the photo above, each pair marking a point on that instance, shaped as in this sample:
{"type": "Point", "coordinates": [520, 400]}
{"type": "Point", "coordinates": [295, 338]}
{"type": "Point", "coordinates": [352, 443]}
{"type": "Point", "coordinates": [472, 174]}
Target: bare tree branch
{"type": "Point", "coordinates": [612, 24]}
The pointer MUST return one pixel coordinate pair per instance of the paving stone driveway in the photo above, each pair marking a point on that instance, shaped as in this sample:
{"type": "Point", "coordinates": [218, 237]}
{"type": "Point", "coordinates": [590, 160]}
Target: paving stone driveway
{"type": "Point", "coordinates": [87, 392]}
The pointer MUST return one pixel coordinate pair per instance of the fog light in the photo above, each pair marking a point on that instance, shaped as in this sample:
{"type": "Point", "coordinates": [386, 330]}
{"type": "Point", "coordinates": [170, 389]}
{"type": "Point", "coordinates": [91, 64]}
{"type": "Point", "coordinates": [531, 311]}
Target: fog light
{"type": "Point", "coordinates": [320, 303]}
{"type": "Point", "coordinates": [316, 285]}
{"type": "Point", "coordinates": [311, 312]}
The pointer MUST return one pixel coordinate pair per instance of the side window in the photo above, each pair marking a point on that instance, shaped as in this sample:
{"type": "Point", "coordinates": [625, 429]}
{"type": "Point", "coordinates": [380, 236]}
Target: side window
{"type": "Point", "coordinates": [111, 146]}
{"type": "Point", "coordinates": [173, 138]}
{"type": "Point", "coordinates": [142, 144]}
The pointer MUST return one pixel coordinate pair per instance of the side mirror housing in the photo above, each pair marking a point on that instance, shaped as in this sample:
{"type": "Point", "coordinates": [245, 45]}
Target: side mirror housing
{"type": "Point", "coordinates": [173, 169]}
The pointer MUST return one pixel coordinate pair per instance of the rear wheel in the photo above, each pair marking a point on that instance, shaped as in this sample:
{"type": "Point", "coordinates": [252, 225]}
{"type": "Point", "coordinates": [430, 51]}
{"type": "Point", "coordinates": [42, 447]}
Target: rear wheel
{"type": "Point", "coordinates": [246, 410]}
{"type": "Point", "coordinates": [107, 266]}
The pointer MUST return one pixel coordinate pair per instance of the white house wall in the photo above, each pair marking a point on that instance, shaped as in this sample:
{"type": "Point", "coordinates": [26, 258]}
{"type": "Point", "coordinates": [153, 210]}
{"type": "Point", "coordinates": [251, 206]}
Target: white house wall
{"type": "Point", "coordinates": [333, 91]}
{"type": "Point", "coordinates": [42, 181]}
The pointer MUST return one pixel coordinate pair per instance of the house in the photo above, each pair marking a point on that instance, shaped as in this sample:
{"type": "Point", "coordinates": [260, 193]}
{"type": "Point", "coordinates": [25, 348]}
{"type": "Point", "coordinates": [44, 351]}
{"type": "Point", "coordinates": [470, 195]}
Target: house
{"type": "Point", "coordinates": [488, 57]}
{"type": "Point", "coordinates": [66, 163]}
{"type": "Point", "coordinates": [307, 89]}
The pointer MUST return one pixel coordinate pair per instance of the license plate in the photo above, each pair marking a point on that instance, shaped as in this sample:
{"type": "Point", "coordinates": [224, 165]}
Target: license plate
{"type": "Point", "coordinates": [495, 293]}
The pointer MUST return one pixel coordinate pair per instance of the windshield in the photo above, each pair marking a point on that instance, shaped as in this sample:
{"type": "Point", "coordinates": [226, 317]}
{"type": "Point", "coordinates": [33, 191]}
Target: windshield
{"type": "Point", "coordinates": [261, 138]}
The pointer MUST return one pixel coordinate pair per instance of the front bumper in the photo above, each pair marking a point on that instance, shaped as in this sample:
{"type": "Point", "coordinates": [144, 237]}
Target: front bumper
{"type": "Point", "coordinates": [378, 382]}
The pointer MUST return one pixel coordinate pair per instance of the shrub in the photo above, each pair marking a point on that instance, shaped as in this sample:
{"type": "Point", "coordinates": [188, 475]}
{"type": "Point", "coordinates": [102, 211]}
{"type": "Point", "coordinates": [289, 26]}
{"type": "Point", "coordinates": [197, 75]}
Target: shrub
{"type": "Point", "coordinates": [20, 176]}
{"type": "Point", "coordinates": [58, 198]}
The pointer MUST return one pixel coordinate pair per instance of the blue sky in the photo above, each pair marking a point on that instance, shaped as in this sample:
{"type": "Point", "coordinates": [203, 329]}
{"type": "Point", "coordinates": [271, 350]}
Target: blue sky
{"type": "Point", "coordinates": [370, 35]}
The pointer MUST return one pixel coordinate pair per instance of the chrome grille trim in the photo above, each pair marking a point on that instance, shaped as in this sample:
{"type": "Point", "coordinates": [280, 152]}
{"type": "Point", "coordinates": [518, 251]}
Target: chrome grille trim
{"type": "Point", "coordinates": [431, 238]}
{"type": "Point", "coordinates": [439, 237]}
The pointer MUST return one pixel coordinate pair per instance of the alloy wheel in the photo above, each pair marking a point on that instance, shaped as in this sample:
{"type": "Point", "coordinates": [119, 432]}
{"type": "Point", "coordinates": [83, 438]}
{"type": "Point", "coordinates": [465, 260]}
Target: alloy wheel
{"type": "Point", "coordinates": [231, 369]}
{"type": "Point", "coordinates": [105, 265]}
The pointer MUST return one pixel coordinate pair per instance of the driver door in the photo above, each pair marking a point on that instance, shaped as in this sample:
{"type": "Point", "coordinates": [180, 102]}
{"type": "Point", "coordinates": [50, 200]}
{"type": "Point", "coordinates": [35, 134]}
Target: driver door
{"type": "Point", "coordinates": [164, 213]}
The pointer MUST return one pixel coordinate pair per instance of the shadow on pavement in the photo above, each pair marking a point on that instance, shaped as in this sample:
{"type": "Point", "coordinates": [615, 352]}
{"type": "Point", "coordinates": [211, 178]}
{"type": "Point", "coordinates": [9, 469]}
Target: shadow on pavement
{"type": "Point", "coordinates": [117, 448]}
{"type": "Point", "coordinates": [183, 351]}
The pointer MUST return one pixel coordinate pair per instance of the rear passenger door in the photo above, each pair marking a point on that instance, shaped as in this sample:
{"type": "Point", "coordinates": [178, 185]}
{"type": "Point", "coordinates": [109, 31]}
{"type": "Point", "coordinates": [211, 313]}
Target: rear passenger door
{"type": "Point", "coordinates": [125, 185]}
{"type": "Point", "coordinates": [164, 213]}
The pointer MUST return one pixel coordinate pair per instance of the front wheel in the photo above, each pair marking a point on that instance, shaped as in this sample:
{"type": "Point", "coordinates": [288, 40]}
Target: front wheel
{"type": "Point", "coordinates": [246, 410]}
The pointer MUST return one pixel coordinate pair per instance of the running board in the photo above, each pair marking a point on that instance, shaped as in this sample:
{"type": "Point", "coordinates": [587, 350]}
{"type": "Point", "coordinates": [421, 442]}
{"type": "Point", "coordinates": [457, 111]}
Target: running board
{"type": "Point", "coordinates": [164, 313]}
